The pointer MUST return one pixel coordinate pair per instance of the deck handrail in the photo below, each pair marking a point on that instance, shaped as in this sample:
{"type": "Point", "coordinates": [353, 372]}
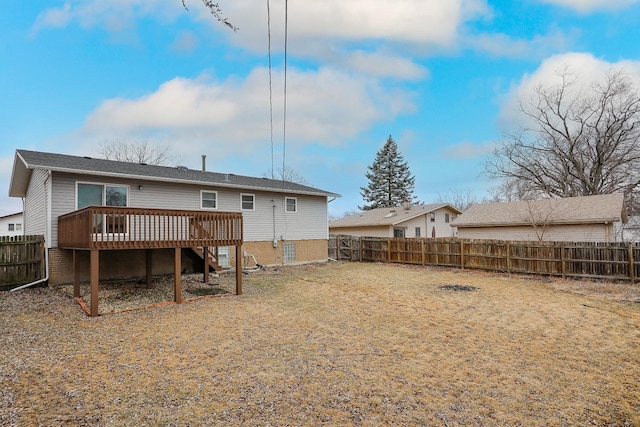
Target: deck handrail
{"type": "Point", "coordinates": [112, 227]}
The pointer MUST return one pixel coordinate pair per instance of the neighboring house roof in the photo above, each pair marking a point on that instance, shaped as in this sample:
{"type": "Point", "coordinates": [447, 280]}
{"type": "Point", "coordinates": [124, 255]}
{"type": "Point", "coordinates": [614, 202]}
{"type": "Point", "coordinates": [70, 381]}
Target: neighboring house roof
{"type": "Point", "coordinates": [570, 210]}
{"type": "Point", "coordinates": [387, 216]}
{"type": "Point", "coordinates": [25, 161]}
{"type": "Point", "coordinates": [11, 215]}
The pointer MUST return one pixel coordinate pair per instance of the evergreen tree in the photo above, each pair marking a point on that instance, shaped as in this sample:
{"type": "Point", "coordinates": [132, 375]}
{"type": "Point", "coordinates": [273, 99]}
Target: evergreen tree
{"type": "Point", "coordinates": [390, 181]}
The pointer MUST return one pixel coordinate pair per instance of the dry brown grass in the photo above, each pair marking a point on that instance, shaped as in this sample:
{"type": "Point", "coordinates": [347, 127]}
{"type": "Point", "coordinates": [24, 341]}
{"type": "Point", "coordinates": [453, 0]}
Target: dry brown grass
{"type": "Point", "coordinates": [337, 344]}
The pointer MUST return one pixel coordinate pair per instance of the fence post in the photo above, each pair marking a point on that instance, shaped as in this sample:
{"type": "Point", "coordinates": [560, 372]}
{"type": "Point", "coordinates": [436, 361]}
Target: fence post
{"type": "Point", "coordinates": [632, 267]}
{"type": "Point", "coordinates": [351, 248]}
{"type": "Point", "coordinates": [422, 255]}
{"type": "Point", "coordinates": [389, 250]}
{"type": "Point", "coordinates": [360, 248]}
{"type": "Point", "coordinates": [563, 264]}
{"type": "Point", "coordinates": [508, 248]}
{"type": "Point", "coordinates": [462, 254]}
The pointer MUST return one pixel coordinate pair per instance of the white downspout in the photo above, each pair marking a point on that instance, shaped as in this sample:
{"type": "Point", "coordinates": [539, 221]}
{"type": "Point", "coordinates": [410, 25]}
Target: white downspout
{"type": "Point", "coordinates": [47, 236]}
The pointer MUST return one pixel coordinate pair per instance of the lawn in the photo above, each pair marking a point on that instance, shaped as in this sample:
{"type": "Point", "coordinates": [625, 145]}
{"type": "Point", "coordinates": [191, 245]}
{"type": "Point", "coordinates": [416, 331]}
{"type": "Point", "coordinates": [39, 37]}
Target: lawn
{"type": "Point", "coordinates": [335, 344]}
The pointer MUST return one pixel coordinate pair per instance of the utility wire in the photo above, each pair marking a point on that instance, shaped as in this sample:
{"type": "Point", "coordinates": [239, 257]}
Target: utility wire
{"type": "Point", "coordinates": [270, 84]}
{"type": "Point", "coordinates": [284, 121]}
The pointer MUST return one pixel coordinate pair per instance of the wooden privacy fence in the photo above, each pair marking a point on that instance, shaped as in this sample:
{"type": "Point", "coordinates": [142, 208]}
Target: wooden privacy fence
{"type": "Point", "coordinates": [22, 260]}
{"type": "Point", "coordinates": [617, 261]}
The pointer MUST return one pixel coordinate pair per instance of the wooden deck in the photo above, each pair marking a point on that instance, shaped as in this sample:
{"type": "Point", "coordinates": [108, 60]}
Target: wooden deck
{"type": "Point", "coordinates": [97, 228]}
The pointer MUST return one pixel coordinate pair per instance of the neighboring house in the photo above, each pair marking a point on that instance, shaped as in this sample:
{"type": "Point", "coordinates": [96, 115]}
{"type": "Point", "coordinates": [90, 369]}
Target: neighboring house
{"type": "Point", "coordinates": [405, 221]}
{"type": "Point", "coordinates": [583, 219]}
{"type": "Point", "coordinates": [283, 222]}
{"type": "Point", "coordinates": [11, 225]}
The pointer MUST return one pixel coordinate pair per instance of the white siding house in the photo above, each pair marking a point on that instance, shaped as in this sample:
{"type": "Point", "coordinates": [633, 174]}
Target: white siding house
{"type": "Point", "coordinates": [12, 225]}
{"type": "Point", "coordinates": [410, 221]}
{"type": "Point", "coordinates": [283, 222]}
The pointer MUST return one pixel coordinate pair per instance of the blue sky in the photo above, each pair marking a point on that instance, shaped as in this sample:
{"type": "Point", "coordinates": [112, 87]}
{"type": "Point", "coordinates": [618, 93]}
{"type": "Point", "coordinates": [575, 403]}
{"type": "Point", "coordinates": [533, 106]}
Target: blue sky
{"type": "Point", "coordinates": [444, 78]}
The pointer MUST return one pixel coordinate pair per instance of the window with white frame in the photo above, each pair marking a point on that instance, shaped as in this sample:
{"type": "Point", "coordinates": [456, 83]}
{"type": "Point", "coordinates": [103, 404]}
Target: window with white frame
{"type": "Point", "coordinates": [288, 252]}
{"type": "Point", "coordinates": [101, 195]}
{"type": "Point", "coordinates": [12, 227]}
{"type": "Point", "coordinates": [433, 216]}
{"type": "Point", "coordinates": [208, 200]}
{"type": "Point", "coordinates": [90, 194]}
{"type": "Point", "coordinates": [291, 204]}
{"type": "Point", "coordinates": [417, 231]}
{"type": "Point", "coordinates": [18, 227]}
{"type": "Point", "coordinates": [446, 217]}
{"type": "Point", "coordinates": [247, 202]}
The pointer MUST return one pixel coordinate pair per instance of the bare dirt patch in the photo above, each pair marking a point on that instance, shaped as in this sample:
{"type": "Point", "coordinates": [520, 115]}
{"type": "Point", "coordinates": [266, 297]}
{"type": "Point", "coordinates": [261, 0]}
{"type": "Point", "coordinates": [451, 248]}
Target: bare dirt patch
{"type": "Point", "coordinates": [335, 344]}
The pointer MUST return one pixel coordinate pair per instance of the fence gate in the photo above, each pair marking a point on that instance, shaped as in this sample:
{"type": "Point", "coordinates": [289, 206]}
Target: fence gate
{"type": "Point", "coordinates": [21, 260]}
{"type": "Point", "coordinates": [347, 247]}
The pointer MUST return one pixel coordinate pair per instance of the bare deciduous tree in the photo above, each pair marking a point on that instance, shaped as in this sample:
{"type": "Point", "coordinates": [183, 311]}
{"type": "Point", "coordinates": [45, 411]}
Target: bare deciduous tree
{"type": "Point", "coordinates": [289, 175]}
{"type": "Point", "coordinates": [511, 190]}
{"type": "Point", "coordinates": [541, 215]}
{"type": "Point", "coordinates": [583, 142]}
{"type": "Point", "coordinates": [216, 11]}
{"type": "Point", "coordinates": [461, 199]}
{"type": "Point", "coordinates": [137, 151]}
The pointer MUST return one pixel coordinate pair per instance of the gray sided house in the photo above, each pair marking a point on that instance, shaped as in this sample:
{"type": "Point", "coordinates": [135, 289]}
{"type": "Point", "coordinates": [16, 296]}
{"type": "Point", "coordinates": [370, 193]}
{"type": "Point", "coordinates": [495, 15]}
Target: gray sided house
{"type": "Point", "coordinates": [405, 221]}
{"type": "Point", "coordinates": [574, 219]}
{"type": "Point", "coordinates": [281, 222]}
{"type": "Point", "coordinates": [11, 225]}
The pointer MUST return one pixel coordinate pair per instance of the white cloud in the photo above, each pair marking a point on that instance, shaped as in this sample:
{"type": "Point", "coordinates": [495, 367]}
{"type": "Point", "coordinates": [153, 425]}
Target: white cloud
{"type": "Point", "coordinates": [325, 107]}
{"type": "Point", "coordinates": [379, 64]}
{"type": "Point", "coordinates": [336, 32]}
{"type": "Point", "coordinates": [583, 66]}
{"type": "Point", "coordinates": [53, 18]}
{"type": "Point", "coordinates": [413, 21]}
{"type": "Point", "coordinates": [585, 6]}
{"type": "Point", "coordinates": [499, 44]}
{"type": "Point", "coordinates": [186, 42]}
{"type": "Point", "coordinates": [114, 15]}
{"type": "Point", "coordinates": [467, 150]}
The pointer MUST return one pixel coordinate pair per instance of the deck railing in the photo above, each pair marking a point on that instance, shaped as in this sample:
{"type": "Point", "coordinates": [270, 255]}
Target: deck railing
{"type": "Point", "coordinates": [110, 227]}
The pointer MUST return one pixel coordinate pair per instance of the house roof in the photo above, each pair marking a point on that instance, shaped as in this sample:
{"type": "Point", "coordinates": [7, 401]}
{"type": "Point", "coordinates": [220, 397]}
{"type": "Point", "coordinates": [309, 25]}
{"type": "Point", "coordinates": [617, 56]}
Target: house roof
{"type": "Point", "coordinates": [570, 210]}
{"type": "Point", "coordinates": [26, 161]}
{"type": "Point", "coordinates": [388, 216]}
{"type": "Point", "coordinates": [10, 215]}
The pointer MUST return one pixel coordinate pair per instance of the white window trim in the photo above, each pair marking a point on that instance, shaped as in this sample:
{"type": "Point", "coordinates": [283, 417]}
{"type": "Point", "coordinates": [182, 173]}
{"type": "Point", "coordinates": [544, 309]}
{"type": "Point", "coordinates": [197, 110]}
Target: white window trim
{"type": "Point", "coordinates": [104, 184]}
{"type": "Point", "coordinates": [209, 191]}
{"type": "Point", "coordinates": [286, 205]}
{"type": "Point", "coordinates": [254, 201]}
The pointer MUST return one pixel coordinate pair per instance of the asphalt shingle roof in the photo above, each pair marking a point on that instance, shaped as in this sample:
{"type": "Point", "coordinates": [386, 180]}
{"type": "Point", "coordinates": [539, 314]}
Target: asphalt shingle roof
{"type": "Point", "coordinates": [570, 210]}
{"type": "Point", "coordinates": [102, 167]}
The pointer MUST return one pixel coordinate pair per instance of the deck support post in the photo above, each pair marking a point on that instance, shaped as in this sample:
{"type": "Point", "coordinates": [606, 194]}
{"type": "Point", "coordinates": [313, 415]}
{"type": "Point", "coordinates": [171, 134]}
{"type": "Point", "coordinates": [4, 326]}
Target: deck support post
{"type": "Point", "coordinates": [76, 275]}
{"type": "Point", "coordinates": [238, 270]}
{"type": "Point", "coordinates": [177, 275]}
{"type": "Point", "coordinates": [149, 261]}
{"type": "Point", "coordinates": [94, 267]}
{"type": "Point", "coordinates": [205, 256]}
